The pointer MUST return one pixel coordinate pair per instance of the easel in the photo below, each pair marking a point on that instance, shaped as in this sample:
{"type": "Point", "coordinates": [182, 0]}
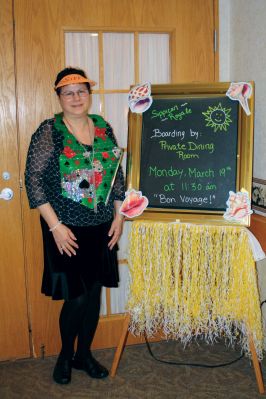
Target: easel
{"type": "Point", "coordinates": [139, 259]}
{"type": "Point", "coordinates": [123, 340]}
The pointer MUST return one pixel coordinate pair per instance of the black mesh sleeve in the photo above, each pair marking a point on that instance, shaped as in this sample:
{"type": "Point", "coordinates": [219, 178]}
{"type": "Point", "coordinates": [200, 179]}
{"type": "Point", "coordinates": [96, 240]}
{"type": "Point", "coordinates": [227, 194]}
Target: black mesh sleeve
{"type": "Point", "coordinates": [39, 154]}
{"type": "Point", "coordinates": [119, 184]}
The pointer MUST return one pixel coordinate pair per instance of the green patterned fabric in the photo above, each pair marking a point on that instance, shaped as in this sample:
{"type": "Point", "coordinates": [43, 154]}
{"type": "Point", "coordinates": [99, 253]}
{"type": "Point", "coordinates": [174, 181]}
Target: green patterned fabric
{"type": "Point", "coordinates": [88, 172]}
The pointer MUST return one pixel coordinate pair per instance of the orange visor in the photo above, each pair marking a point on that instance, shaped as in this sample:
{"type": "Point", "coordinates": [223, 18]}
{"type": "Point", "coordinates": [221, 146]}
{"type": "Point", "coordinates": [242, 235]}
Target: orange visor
{"type": "Point", "coordinates": [73, 79]}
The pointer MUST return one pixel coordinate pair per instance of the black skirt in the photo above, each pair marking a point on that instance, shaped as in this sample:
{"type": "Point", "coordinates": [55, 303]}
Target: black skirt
{"type": "Point", "coordinates": [67, 277]}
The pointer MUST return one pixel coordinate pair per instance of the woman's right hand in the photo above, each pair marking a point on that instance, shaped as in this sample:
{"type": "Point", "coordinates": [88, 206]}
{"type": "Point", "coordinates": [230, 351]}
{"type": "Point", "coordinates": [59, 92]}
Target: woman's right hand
{"type": "Point", "coordinates": [65, 240]}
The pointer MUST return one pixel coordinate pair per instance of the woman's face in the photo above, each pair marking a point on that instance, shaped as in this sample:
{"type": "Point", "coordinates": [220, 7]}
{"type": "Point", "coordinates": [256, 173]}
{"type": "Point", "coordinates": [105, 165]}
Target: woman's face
{"type": "Point", "coordinates": [75, 99]}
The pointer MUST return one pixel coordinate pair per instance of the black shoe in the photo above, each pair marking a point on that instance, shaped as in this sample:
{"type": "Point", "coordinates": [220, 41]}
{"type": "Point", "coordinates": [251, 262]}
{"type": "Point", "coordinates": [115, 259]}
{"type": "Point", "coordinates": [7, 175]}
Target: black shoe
{"type": "Point", "coordinates": [93, 368]}
{"type": "Point", "coordinates": [62, 371]}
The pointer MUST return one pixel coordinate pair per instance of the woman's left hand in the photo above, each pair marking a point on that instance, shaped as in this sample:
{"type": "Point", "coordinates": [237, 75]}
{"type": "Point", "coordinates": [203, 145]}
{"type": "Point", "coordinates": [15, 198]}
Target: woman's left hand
{"type": "Point", "coordinates": [115, 231]}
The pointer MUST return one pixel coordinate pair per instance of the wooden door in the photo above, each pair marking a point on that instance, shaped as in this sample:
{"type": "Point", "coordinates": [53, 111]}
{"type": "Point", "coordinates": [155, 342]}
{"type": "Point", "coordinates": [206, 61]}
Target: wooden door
{"type": "Point", "coordinates": [14, 328]}
{"type": "Point", "coordinates": [39, 35]}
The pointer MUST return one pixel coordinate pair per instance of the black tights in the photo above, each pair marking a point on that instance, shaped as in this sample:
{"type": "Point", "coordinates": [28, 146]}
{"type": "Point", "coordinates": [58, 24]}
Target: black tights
{"type": "Point", "coordinates": [79, 318]}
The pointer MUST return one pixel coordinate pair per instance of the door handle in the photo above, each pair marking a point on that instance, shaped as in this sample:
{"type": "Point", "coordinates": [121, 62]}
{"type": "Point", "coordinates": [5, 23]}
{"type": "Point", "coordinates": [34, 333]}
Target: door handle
{"type": "Point", "coordinates": [6, 194]}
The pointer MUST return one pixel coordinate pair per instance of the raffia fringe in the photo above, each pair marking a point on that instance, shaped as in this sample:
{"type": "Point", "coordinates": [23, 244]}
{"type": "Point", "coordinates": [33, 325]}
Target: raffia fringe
{"type": "Point", "coordinates": [194, 281]}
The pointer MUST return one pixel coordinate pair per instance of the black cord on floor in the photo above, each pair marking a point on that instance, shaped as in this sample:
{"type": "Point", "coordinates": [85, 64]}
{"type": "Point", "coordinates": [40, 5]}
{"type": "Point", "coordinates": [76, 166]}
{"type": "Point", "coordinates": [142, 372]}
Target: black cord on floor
{"type": "Point", "coordinates": [262, 303]}
{"type": "Point", "coordinates": [190, 364]}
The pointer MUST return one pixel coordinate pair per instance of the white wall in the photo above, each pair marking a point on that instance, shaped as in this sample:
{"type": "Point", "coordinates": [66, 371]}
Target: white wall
{"type": "Point", "coordinates": [243, 57]}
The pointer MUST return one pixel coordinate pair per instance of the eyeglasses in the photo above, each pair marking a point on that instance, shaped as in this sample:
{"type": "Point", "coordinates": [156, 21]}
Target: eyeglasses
{"type": "Point", "coordinates": [69, 95]}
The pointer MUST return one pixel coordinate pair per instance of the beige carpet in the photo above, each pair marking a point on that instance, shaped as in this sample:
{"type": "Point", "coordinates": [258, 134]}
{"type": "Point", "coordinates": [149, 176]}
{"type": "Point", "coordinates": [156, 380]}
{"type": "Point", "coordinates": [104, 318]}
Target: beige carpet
{"type": "Point", "coordinates": [139, 376]}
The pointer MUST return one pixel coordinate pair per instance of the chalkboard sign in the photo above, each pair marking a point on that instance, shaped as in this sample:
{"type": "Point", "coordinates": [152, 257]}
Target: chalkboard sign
{"type": "Point", "coordinates": [189, 152]}
{"type": "Point", "coordinates": [185, 151]}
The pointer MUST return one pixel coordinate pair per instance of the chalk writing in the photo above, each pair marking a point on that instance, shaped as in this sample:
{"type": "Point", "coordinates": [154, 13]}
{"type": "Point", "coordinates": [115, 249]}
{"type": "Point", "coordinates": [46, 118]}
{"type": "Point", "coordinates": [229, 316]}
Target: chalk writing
{"type": "Point", "coordinates": [184, 164]}
{"type": "Point", "coordinates": [165, 200]}
{"type": "Point", "coordinates": [156, 172]}
{"type": "Point", "coordinates": [189, 146]}
{"type": "Point", "coordinates": [174, 133]}
{"type": "Point", "coordinates": [194, 172]}
{"type": "Point", "coordinates": [176, 113]}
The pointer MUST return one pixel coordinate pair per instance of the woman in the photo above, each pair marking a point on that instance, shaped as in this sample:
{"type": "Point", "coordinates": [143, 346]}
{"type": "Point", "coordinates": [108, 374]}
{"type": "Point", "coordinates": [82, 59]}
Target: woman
{"type": "Point", "coordinates": [73, 177]}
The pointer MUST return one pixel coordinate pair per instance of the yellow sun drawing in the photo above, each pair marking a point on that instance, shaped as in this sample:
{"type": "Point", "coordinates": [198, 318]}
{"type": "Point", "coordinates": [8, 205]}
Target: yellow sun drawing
{"type": "Point", "coordinates": [218, 117]}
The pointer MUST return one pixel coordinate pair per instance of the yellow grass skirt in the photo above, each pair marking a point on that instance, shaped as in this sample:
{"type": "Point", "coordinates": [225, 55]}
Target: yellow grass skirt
{"type": "Point", "coordinates": [193, 280]}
